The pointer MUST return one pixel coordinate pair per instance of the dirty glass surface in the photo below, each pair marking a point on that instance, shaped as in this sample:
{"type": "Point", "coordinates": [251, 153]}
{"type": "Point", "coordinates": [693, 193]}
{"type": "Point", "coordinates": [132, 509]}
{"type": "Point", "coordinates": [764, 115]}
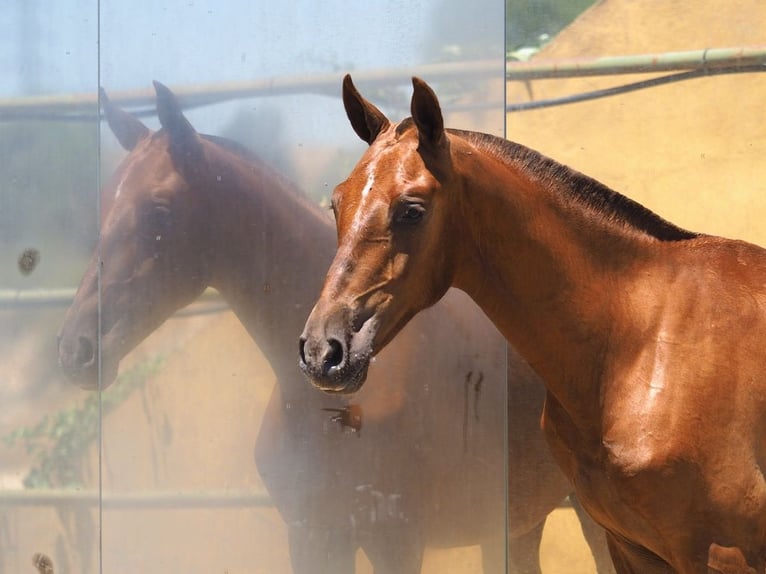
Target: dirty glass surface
{"type": "Point", "coordinates": [49, 474]}
{"type": "Point", "coordinates": [217, 456]}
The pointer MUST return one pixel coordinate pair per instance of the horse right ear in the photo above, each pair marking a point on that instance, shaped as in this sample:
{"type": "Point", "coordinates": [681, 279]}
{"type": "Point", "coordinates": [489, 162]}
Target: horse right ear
{"type": "Point", "coordinates": [126, 127]}
{"type": "Point", "coordinates": [367, 120]}
{"type": "Point", "coordinates": [185, 146]}
{"type": "Point", "coordinates": [427, 115]}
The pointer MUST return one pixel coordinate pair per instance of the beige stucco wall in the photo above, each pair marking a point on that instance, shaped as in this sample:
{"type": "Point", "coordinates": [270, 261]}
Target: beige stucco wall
{"type": "Point", "coordinates": [692, 151]}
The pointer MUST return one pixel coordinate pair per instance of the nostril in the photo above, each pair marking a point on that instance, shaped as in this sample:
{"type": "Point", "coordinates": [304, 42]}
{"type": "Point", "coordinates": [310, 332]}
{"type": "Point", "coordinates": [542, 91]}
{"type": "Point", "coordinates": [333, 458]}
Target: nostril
{"type": "Point", "coordinates": [302, 350]}
{"type": "Point", "coordinates": [84, 351]}
{"type": "Point", "coordinates": [333, 356]}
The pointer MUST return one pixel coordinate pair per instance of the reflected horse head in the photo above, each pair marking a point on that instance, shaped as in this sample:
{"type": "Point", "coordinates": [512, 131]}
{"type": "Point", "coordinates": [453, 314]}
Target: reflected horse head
{"type": "Point", "coordinates": [151, 258]}
{"type": "Point", "coordinates": [396, 252]}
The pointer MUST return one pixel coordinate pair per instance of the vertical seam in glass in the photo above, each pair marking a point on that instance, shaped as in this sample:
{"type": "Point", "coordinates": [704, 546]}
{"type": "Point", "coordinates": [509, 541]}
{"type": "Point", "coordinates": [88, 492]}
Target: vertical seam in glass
{"type": "Point", "coordinates": [506, 440]}
{"type": "Point", "coordinates": [98, 279]}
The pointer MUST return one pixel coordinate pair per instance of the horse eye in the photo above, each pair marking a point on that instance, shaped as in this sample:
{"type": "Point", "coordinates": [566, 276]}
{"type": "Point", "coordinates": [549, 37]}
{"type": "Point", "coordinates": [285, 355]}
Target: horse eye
{"type": "Point", "coordinates": [157, 216]}
{"type": "Point", "coordinates": [161, 212]}
{"type": "Point", "coordinates": [412, 213]}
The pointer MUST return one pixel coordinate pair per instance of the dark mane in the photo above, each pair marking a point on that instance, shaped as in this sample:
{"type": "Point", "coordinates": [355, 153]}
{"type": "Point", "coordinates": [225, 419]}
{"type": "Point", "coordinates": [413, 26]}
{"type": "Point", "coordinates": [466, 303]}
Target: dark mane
{"type": "Point", "coordinates": [593, 194]}
{"type": "Point", "coordinates": [404, 125]}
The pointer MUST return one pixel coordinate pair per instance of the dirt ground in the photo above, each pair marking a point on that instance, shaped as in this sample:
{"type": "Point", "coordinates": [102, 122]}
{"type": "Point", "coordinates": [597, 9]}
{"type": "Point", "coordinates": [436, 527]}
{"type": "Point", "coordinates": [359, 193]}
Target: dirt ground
{"type": "Point", "coordinates": [690, 151]}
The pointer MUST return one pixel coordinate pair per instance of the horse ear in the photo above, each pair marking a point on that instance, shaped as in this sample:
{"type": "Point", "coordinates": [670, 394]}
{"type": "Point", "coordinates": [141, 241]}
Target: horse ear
{"type": "Point", "coordinates": [367, 120]}
{"type": "Point", "coordinates": [126, 127]}
{"type": "Point", "coordinates": [427, 115]}
{"type": "Point", "coordinates": [184, 142]}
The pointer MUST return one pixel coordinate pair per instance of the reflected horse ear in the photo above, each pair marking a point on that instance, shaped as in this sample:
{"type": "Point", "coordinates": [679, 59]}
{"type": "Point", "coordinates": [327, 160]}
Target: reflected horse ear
{"type": "Point", "coordinates": [185, 147]}
{"type": "Point", "coordinates": [367, 120]}
{"type": "Point", "coordinates": [126, 127]}
{"type": "Point", "coordinates": [427, 115]}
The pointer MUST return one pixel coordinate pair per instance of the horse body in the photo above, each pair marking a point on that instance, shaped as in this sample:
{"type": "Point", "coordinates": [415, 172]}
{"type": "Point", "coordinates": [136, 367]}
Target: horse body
{"type": "Point", "coordinates": [695, 395]}
{"type": "Point", "coordinates": [646, 335]}
{"type": "Point", "coordinates": [192, 211]}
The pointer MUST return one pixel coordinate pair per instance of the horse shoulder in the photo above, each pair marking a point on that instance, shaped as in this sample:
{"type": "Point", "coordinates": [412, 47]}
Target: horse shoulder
{"type": "Point", "coordinates": [688, 365]}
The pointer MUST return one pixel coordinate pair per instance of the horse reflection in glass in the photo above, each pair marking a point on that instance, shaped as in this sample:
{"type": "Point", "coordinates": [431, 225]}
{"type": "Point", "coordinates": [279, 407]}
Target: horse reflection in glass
{"type": "Point", "coordinates": [189, 211]}
{"type": "Point", "coordinates": [648, 337]}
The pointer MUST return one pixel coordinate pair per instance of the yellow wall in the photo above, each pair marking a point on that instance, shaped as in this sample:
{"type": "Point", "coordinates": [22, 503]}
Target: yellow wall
{"type": "Point", "coordinates": [691, 151]}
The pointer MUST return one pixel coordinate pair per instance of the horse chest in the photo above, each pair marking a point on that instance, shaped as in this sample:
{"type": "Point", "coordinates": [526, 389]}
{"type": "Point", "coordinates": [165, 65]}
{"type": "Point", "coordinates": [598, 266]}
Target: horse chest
{"type": "Point", "coordinates": [619, 483]}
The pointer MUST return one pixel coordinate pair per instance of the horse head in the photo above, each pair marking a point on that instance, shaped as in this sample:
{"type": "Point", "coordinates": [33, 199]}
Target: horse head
{"type": "Point", "coordinates": [392, 260]}
{"type": "Point", "coordinates": [149, 261]}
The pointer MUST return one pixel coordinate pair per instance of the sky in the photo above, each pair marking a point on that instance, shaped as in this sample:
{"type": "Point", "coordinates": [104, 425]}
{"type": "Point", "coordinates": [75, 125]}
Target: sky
{"type": "Point", "coordinates": [51, 46]}
{"type": "Point", "coordinates": [73, 46]}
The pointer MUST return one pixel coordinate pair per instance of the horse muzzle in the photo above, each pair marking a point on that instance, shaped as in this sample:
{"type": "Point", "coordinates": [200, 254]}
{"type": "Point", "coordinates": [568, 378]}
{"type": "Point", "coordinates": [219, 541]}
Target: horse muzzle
{"type": "Point", "coordinates": [81, 362]}
{"type": "Point", "coordinates": [334, 355]}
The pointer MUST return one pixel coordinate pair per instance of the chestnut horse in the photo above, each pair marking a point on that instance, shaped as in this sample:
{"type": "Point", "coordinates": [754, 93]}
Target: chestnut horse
{"type": "Point", "coordinates": [647, 336]}
{"type": "Point", "coordinates": [191, 211]}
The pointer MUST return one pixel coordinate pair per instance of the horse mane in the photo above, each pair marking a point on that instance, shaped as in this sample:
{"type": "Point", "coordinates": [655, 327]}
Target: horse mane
{"type": "Point", "coordinates": [584, 189]}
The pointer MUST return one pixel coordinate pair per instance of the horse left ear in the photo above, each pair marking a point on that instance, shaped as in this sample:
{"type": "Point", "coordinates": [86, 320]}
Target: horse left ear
{"type": "Point", "coordinates": [184, 142]}
{"type": "Point", "coordinates": [427, 115]}
{"type": "Point", "coordinates": [367, 120]}
{"type": "Point", "coordinates": [127, 128]}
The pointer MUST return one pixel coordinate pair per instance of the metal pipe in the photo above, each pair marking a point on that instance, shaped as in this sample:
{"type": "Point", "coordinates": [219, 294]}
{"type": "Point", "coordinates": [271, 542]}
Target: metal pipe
{"type": "Point", "coordinates": [327, 84]}
{"type": "Point", "coordinates": [210, 301]}
{"type": "Point", "coordinates": [135, 500]}
{"type": "Point", "coordinates": [197, 95]}
{"type": "Point", "coordinates": [627, 88]}
{"type": "Point", "coordinates": [640, 64]}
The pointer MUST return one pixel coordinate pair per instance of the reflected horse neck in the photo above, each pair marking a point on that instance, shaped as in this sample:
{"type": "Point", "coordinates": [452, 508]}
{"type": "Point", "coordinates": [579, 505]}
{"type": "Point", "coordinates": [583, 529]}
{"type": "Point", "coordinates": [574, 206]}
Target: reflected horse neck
{"type": "Point", "coordinates": [272, 246]}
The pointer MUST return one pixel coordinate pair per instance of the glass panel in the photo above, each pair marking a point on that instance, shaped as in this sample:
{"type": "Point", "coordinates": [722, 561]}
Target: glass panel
{"type": "Point", "coordinates": [48, 223]}
{"type": "Point", "coordinates": [217, 454]}
{"type": "Point", "coordinates": [677, 149]}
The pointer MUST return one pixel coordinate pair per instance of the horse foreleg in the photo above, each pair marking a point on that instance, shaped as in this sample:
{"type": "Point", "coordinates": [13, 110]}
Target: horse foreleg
{"type": "Point", "coordinates": [321, 550]}
{"type": "Point", "coordinates": [630, 559]}
{"type": "Point", "coordinates": [523, 553]}
{"type": "Point", "coordinates": [595, 536]}
{"type": "Point", "coordinates": [394, 548]}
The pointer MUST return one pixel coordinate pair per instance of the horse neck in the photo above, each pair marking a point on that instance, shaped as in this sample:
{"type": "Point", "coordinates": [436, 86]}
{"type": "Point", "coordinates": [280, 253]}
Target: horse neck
{"type": "Point", "coordinates": [272, 249]}
{"type": "Point", "coordinates": [545, 269]}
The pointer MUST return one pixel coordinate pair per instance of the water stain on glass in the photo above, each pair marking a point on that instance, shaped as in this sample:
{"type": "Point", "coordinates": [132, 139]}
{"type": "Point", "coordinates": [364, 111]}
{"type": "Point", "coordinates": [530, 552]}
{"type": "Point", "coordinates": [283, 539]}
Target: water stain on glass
{"type": "Point", "coordinates": [43, 563]}
{"type": "Point", "coordinates": [28, 260]}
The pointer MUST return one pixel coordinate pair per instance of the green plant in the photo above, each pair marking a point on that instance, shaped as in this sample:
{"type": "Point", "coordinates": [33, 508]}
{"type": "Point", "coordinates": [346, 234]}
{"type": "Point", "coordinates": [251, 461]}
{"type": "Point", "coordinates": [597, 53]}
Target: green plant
{"type": "Point", "coordinates": [59, 442]}
{"type": "Point", "coordinates": [530, 23]}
